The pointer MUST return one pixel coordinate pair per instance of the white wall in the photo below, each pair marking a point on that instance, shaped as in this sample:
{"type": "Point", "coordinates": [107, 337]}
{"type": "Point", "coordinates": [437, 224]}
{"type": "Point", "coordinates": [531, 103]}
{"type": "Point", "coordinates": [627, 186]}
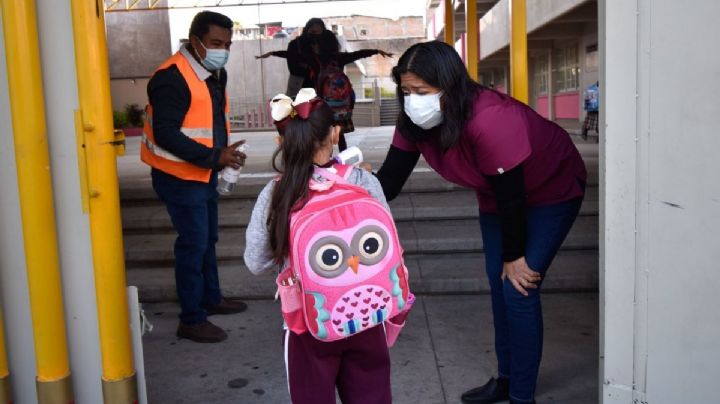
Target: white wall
{"type": "Point", "coordinates": [128, 91]}
{"type": "Point", "coordinates": [660, 201]}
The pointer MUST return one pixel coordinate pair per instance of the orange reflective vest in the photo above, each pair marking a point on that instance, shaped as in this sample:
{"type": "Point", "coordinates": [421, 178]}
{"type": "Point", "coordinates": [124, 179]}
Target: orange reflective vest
{"type": "Point", "coordinates": [197, 125]}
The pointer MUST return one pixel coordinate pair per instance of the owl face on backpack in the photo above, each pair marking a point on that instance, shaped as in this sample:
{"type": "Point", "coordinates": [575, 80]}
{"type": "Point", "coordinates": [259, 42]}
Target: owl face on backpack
{"type": "Point", "coordinates": [348, 258]}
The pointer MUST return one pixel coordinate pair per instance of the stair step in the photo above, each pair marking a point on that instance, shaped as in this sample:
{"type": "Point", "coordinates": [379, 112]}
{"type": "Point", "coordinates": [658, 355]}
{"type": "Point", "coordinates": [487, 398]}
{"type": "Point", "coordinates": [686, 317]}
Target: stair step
{"type": "Point", "coordinates": [235, 212]}
{"type": "Point", "coordinates": [436, 237]}
{"type": "Point", "coordinates": [458, 273]}
{"type": "Point", "coordinates": [250, 185]}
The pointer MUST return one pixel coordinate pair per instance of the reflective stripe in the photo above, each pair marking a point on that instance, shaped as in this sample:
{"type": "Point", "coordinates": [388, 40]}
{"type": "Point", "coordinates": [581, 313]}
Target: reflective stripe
{"type": "Point", "coordinates": [197, 133]}
{"type": "Point", "coordinates": [159, 151]}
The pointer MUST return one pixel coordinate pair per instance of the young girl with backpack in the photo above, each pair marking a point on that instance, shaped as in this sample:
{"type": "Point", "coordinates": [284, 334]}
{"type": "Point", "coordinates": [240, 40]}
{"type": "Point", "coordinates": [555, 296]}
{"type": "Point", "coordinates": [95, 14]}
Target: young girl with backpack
{"type": "Point", "coordinates": [327, 227]}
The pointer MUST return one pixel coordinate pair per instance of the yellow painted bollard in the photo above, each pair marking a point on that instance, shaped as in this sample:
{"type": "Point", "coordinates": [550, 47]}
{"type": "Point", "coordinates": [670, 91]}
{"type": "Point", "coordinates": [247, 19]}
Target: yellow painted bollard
{"type": "Point", "coordinates": [449, 31]}
{"type": "Point", "coordinates": [5, 392]}
{"type": "Point", "coordinates": [518, 50]}
{"type": "Point", "coordinates": [102, 196]}
{"type": "Point", "coordinates": [36, 201]}
{"type": "Point", "coordinates": [472, 40]}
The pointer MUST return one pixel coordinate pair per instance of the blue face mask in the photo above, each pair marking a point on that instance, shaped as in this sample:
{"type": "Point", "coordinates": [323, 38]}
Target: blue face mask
{"type": "Point", "coordinates": [215, 59]}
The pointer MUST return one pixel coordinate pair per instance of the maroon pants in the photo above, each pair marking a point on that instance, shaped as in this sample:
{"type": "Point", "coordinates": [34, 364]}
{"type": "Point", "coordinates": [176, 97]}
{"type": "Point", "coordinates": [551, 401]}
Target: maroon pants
{"type": "Point", "coordinates": [359, 366]}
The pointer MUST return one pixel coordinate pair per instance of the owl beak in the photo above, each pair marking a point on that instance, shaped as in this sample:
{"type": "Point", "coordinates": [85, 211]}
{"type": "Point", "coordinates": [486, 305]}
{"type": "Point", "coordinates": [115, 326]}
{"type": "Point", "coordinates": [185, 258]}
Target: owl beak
{"type": "Point", "coordinates": [354, 261]}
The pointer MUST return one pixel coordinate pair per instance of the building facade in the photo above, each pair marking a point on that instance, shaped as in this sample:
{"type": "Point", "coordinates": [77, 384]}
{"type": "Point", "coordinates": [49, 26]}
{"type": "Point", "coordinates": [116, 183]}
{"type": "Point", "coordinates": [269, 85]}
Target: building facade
{"type": "Point", "coordinates": [562, 40]}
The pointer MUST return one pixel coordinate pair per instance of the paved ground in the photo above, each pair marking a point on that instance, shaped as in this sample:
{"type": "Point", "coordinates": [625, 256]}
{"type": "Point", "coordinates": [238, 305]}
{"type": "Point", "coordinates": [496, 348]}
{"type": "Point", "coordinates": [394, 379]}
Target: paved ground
{"type": "Point", "coordinates": [446, 348]}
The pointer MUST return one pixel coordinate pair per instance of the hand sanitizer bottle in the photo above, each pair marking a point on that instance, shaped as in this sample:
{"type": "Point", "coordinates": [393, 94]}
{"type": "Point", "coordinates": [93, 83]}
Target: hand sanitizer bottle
{"type": "Point", "coordinates": [229, 176]}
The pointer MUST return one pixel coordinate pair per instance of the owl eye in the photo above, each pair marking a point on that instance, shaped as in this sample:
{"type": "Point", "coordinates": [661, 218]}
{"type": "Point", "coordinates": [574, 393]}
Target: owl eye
{"type": "Point", "coordinates": [328, 257]}
{"type": "Point", "coordinates": [371, 243]}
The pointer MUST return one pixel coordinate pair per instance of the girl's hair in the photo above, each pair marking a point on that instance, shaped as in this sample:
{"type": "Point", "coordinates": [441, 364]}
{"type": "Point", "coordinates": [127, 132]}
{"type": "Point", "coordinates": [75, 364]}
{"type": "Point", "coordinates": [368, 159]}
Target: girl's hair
{"type": "Point", "coordinates": [439, 65]}
{"type": "Point", "coordinates": [296, 151]}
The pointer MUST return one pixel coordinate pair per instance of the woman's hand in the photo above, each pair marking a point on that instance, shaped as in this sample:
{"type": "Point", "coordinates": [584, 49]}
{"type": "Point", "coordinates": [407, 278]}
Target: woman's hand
{"type": "Point", "coordinates": [521, 276]}
{"type": "Point", "coordinates": [366, 166]}
{"type": "Point", "coordinates": [264, 55]}
{"type": "Point", "coordinates": [384, 54]}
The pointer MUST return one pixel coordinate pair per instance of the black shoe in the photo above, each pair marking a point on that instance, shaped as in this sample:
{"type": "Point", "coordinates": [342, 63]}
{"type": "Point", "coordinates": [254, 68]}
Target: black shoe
{"type": "Point", "coordinates": [226, 306]}
{"type": "Point", "coordinates": [491, 392]}
{"type": "Point", "coordinates": [201, 332]}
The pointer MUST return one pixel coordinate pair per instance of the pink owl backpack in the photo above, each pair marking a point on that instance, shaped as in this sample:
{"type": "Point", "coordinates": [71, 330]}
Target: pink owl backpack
{"type": "Point", "coordinates": [346, 272]}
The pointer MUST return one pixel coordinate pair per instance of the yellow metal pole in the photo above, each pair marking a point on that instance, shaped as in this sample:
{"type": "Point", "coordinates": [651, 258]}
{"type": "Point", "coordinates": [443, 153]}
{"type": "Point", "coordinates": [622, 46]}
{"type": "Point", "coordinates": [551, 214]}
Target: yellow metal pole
{"type": "Point", "coordinates": [449, 22]}
{"type": "Point", "coordinates": [96, 133]}
{"type": "Point", "coordinates": [472, 38]}
{"type": "Point", "coordinates": [518, 50]}
{"type": "Point", "coordinates": [5, 394]}
{"type": "Point", "coordinates": [36, 200]}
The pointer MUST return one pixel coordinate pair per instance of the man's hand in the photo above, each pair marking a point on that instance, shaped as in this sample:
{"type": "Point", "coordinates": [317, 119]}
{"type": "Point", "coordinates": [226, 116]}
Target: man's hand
{"type": "Point", "coordinates": [521, 276]}
{"type": "Point", "coordinates": [264, 55]}
{"type": "Point", "coordinates": [230, 156]}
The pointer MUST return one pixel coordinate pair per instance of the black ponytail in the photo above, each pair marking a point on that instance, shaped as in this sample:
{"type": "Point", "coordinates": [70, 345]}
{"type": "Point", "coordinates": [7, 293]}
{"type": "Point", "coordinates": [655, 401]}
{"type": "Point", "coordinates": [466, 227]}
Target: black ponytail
{"type": "Point", "coordinates": [295, 154]}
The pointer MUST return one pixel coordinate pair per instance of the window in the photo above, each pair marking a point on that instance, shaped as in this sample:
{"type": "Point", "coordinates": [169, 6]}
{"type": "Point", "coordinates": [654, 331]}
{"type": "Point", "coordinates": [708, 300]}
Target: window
{"type": "Point", "coordinates": [540, 74]}
{"type": "Point", "coordinates": [591, 58]}
{"type": "Point", "coordinates": [566, 69]}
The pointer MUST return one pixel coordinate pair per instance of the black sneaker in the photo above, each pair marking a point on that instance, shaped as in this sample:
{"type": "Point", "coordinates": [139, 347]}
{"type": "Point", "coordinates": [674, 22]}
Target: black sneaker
{"type": "Point", "coordinates": [201, 332]}
{"type": "Point", "coordinates": [491, 392]}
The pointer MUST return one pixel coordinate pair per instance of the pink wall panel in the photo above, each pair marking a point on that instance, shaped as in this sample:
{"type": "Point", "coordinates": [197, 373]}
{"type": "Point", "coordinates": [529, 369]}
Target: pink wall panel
{"type": "Point", "coordinates": [567, 105]}
{"type": "Point", "coordinates": [542, 106]}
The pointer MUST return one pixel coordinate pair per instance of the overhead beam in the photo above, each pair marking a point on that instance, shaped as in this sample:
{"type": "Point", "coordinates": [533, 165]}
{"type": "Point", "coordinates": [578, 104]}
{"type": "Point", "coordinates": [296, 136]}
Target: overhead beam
{"type": "Point", "coordinates": [115, 6]}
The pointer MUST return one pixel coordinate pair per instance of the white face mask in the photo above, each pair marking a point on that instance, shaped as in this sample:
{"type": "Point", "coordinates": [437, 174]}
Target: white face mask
{"type": "Point", "coordinates": [215, 59]}
{"type": "Point", "coordinates": [424, 110]}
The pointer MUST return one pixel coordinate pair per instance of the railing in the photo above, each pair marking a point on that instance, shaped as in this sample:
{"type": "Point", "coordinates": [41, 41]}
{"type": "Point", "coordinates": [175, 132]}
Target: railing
{"type": "Point", "coordinates": [247, 116]}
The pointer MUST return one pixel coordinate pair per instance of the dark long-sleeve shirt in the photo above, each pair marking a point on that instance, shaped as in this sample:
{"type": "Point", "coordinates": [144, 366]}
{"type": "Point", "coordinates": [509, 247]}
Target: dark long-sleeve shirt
{"type": "Point", "coordinates": [509, 195]}
{"type": "Point", "coordinates": [169, 96]}
{"type": "Point", "coordinates": [303, 64]}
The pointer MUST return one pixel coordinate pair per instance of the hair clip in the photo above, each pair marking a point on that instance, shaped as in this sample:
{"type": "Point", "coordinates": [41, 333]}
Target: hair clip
{"type": "Point", "coordinates": [283, 107]}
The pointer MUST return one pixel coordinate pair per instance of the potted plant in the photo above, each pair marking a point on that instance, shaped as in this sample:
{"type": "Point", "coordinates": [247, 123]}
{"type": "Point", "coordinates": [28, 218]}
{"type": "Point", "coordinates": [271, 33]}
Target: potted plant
{"type": "Point", "coordinates": [133, 120]}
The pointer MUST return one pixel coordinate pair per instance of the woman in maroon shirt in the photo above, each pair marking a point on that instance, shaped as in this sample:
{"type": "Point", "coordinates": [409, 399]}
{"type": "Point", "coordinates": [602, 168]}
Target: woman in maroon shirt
{"type": "Point", "coordinates": [529, 180]}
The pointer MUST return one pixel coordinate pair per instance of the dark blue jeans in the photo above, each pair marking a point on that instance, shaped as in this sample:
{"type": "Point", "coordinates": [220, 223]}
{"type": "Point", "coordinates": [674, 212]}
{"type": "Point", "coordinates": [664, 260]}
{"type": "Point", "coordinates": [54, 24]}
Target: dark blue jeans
{"type": "Point", "coordinates": [518, 319]}
{"type": "Point", "coordinates": [193, 209]}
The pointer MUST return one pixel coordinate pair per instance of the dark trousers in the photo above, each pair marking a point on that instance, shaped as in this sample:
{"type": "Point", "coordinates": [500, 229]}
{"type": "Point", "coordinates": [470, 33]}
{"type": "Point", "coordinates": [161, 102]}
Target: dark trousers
{"type": "Point", "coordinates": [518, 319]}
{"type": "Point", "coordinates": [193, 209]}
{"type": "Point", "coordinates": [359, 366]}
